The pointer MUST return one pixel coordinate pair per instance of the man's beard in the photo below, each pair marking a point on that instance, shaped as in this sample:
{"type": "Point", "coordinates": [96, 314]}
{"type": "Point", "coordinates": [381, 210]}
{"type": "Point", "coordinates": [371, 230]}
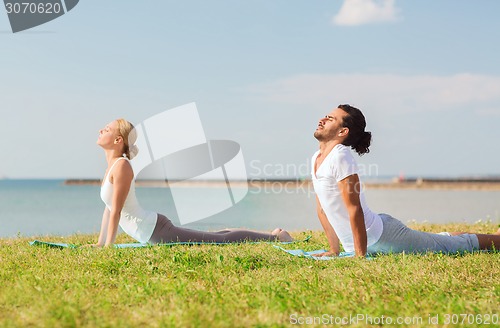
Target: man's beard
{"type": "Point", "coordinates": [319, 136]}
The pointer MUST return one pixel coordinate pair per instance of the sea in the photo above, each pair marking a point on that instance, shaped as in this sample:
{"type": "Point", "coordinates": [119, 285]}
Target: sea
{"type": "Point", "coordinates": [35, 208]}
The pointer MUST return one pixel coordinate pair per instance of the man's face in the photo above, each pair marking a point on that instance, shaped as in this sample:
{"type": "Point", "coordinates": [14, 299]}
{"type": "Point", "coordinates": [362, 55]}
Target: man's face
{"type": "Point", "coordinates": [330, 126]}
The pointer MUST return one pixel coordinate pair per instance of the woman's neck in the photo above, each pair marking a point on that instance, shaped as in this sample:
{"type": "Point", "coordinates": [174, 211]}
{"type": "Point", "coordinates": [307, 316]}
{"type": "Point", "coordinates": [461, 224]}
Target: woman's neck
{"type": "Point", "coordinates": [112, 156]}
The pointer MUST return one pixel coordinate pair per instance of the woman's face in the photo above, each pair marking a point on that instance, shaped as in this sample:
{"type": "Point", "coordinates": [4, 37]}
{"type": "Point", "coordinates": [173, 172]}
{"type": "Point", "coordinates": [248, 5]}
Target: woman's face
{"type": "Point", "coordinates": [108, 135]}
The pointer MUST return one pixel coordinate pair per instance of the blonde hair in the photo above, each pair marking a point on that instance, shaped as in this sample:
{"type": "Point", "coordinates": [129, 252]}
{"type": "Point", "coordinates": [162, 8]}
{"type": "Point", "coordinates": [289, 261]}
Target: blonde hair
{"type": "Point", "coordinates": [129, 135]}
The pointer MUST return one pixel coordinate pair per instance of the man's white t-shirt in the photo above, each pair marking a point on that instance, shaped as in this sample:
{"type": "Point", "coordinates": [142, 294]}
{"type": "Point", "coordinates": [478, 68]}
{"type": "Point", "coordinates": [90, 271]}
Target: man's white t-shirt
{"type": "Point", "coordinates": [338, 165]}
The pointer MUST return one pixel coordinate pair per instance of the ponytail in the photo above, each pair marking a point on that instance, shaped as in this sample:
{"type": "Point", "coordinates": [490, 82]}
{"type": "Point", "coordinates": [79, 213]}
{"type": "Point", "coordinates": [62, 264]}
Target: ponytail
{"type": "Point", "coordinates": [129, 135]}
{"type": "Point", "coordinates": [363, 144]}
{"type": "Point", "coordinates": [358, 139]}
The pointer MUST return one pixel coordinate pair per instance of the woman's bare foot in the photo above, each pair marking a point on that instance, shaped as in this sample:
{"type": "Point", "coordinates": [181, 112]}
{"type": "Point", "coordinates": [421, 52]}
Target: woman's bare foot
{"type": "Point", "coordinates": [282, 235]}
{"type": "Point", "coordinates": [276, 231]}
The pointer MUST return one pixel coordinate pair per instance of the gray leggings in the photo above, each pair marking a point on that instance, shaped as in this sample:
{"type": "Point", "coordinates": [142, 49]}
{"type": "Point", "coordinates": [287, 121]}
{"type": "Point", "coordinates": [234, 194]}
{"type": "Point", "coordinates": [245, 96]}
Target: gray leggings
{"type": "Point", "coordinates": [166, 232]}
{"type": "Point", "coordinates": [398, 238]}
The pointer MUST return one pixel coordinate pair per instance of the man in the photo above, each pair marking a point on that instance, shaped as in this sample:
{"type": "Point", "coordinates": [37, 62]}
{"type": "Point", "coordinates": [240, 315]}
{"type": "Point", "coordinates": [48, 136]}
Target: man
{"type": "Point", "coordinates": [341, 206]}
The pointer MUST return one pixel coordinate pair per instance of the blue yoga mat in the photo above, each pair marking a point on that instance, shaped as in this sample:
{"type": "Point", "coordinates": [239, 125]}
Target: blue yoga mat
{"type": "Point", "coordinates": [140, 245]}
{"type": "Point", "coordinates": [63, 245]}
{"type": "Point", "coordinates": [309, 255]}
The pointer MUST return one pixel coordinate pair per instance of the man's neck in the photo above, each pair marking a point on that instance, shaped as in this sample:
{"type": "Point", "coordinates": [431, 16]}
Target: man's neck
{"type": "Point", "coordinates": [325, 147]}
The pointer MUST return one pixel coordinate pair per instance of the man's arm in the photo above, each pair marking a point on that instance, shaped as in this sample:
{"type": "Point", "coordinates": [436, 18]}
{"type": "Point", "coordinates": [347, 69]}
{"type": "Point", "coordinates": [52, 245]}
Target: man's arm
{"type": "Point", "coordinates": [350, 188]}
{"type": "Point", "coordinates": [333, 240]}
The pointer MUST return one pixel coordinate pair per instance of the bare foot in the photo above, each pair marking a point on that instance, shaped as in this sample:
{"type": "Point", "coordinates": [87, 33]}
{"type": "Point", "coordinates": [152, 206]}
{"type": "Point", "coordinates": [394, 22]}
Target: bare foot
{"type": "Point", "coordinates": [498, 232]}
{"type": "Point", "coordinates": [276, 231]}
{"type": "Point", "coordinates": [283, 235]}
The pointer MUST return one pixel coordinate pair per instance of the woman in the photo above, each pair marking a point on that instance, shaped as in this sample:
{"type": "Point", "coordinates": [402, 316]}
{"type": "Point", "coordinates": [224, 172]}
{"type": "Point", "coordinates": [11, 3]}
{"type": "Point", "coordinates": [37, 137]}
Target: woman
{"type": "Point", "coordinates": [122, 208]}
{"type": "Point", "coordinates": [342, 208]}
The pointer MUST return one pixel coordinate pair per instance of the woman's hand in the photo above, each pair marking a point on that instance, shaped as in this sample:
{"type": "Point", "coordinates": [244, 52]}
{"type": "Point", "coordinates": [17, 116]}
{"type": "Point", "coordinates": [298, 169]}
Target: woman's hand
{"type": "Point", "coordinates": [92, 246]}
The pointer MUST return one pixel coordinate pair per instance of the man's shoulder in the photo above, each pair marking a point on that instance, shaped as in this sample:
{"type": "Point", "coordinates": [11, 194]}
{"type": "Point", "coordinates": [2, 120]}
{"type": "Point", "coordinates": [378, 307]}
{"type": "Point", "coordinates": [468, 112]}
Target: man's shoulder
{"type": "Point", "coordinates": [341, 151]}
{"type": "Point", "coordinates": [340, 148]}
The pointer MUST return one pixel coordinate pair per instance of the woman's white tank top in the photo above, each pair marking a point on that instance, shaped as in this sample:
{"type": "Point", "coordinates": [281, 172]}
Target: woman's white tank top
{"type": "Point", "coordinates": [134, 220]}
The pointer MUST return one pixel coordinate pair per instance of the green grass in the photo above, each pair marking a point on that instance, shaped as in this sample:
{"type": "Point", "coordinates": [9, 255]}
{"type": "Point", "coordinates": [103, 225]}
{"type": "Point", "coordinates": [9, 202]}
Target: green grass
{"type": "Point", "coordinates": [237, 285]}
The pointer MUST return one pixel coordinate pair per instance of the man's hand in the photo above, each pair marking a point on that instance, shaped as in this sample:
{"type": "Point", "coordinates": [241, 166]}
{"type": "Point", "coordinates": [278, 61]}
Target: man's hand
{"type": "Point", "coordinates": [329, 253]}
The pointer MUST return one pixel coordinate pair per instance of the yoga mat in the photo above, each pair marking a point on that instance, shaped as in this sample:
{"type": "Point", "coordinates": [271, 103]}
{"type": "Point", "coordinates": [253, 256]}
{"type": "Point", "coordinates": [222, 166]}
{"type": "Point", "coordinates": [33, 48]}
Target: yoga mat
{"type": "Point", "coordinates": [140, 245]}
{"type": "Point", "coordinates": [309, 255]}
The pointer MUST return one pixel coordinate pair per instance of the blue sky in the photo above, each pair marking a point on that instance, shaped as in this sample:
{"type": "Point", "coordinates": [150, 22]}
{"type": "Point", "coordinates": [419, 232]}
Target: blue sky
{"type": "Point", "coordinates": [425, 73]}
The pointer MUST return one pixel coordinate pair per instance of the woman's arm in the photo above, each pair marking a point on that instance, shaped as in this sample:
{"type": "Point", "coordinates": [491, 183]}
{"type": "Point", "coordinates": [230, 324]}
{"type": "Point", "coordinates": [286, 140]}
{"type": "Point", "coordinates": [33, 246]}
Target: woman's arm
{"type": "Point", "coordinates": [122, 176]}
{"type": "Point", "coordinates": [350, 188]}
{"type": "Point", "coordinates": [331, 235]}
{"type": "Point", "coordinates": [104, 228]}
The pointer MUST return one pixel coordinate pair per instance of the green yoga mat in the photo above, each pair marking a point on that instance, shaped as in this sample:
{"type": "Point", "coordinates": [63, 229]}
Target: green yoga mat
{"type": "Point", "coordinates": [140, 245]}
